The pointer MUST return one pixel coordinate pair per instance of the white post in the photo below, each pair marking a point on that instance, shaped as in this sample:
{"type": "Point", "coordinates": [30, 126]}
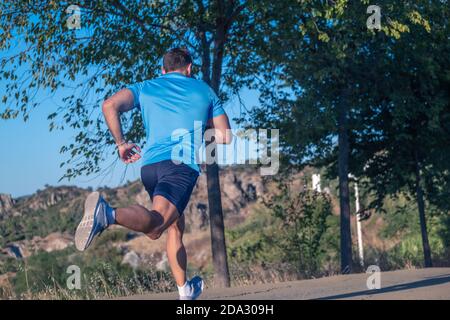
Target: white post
{"type": "Point", "coordinates": [316, 182]}
{"type": "Point", "coordinates": [358, 227]}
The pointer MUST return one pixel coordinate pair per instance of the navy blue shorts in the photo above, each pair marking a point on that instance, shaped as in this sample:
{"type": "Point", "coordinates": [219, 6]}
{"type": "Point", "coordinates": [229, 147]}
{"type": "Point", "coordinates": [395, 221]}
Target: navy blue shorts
{"type": "Point", "coordinates": [174, 182]}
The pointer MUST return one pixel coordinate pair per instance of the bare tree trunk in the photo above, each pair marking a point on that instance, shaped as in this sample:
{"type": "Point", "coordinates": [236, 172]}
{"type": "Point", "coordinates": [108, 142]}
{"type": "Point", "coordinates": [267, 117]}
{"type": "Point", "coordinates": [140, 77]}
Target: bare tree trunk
{"type": "Point", "coordinates": [218, 245]}
{"type": "Point", "coordinates": [423, 222]}
{"type": "Point", "coordinates": [344, 193]}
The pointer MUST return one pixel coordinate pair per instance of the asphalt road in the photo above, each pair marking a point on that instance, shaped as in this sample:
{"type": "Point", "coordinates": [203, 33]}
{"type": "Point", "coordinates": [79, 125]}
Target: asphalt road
{"type": "Point", "coordinates": [433, 283]}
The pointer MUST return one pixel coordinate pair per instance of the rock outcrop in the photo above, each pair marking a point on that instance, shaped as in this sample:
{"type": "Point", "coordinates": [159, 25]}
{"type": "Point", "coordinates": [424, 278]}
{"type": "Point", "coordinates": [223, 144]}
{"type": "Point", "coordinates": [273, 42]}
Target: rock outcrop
{"type": "Point", "coordinates": [132, 259]}
{"type": "Point", "coordinates": [25, 248]}
{"type": "Point", "coordinates": [50, 196]}
{"type": "Point", "coordinates": [239, 188]}
{"type": "Point", "coordinates": [6, 204]}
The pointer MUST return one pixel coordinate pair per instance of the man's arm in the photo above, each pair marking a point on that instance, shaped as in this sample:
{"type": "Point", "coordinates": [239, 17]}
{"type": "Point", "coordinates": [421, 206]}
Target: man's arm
{"type": "Point", "coordinates": [222, 130]}
{"type": "Point", "coordinates": [120, 102]}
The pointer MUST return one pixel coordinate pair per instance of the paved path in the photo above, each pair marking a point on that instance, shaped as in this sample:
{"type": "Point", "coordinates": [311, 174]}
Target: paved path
{"type": "Point", "coordinates": [433, 283]}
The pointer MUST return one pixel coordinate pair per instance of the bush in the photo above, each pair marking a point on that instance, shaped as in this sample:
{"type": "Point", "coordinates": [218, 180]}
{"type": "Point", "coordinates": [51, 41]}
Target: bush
{"type": "Point", "coordinates": [292, 231]}
{"type": "Point", "coordinates": [402, 227]}
{"type": "Point", "coordinates": [304, 223]}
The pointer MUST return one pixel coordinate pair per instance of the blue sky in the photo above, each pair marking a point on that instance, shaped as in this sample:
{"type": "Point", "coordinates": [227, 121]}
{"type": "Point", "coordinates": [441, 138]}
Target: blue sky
{"type": "Point", "coordinates": [30, 153]}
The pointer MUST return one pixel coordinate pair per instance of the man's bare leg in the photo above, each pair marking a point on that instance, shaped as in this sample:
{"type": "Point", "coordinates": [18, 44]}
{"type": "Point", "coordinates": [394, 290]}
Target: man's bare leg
{"type": "Point", "coordinates": [164, 215]}
{"type": "Point", "coordinates": [176, 252]}
{"type": "Point", "coordinates": [151, 222]}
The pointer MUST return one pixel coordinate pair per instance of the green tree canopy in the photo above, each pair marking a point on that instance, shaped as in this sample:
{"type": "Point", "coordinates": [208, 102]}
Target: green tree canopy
{"type": "Point", "coordinates": [119, 42]}
{"type": "Point", "coordinates": [338, 74]}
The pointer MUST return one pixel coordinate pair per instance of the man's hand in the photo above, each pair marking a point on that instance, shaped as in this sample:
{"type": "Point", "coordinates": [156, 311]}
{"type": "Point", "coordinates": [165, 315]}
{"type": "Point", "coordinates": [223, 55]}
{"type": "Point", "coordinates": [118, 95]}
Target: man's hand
{"type": "Point", "coordinates": [129, 152]}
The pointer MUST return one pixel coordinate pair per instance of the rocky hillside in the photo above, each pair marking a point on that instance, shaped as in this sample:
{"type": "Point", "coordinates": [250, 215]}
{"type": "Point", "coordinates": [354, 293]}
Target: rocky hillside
{"type": "Point", "coordinates": [46, 220]}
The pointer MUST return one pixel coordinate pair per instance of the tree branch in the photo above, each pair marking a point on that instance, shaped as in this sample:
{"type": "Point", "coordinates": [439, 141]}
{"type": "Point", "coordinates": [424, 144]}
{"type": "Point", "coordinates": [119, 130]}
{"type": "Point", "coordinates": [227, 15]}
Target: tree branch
{"type": "Point", "coordinates": [116, 4]}
{"type": "Point", "coordinates": [233, 12]}
{"type": "Point", "coordinates": [205, 44]}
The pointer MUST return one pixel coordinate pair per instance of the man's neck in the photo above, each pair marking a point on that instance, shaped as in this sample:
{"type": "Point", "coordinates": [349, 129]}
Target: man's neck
{"type": "Point", "coordinates": [183, 72]}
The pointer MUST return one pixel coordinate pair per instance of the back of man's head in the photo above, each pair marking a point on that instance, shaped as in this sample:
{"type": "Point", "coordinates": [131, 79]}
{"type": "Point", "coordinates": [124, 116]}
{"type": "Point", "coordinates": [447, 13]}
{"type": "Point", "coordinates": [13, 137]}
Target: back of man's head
{"type": "Point", "coordinates": [176, 59]}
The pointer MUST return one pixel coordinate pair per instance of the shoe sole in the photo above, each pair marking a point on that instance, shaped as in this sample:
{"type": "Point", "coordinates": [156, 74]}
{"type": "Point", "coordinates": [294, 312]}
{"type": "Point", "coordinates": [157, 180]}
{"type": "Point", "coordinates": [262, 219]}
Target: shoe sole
{"type": "Point", "coordinates": [84, 228]}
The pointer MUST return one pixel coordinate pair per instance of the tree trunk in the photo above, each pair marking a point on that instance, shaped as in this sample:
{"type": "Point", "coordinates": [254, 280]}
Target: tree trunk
{"type": "Point", "coordinates": [344, 193]}
{"type": "Point", "coordinates": [423, 221]}
{"type": "Point", "coordinates": [218, 245]}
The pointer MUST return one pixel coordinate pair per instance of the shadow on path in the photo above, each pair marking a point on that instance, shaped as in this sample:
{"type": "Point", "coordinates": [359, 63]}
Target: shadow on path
{"type": "Point", "coordinates": [433, 281]}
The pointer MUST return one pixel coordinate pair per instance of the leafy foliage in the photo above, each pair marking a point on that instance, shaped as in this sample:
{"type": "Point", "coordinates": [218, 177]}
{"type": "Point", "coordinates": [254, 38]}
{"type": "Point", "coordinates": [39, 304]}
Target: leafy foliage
{"type": "Point", "coordinates": [296, 229]}
{"type": "Point", "coordinates": [367, 102]}
{"type": "Point", "coordinates": [119, 42]}
{"type": "Point", "coordinates": [304, 217]}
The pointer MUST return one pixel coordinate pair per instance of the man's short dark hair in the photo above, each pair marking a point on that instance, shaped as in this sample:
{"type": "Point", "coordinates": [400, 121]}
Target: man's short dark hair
{"type": "Point", "coordinates": [176, 58]}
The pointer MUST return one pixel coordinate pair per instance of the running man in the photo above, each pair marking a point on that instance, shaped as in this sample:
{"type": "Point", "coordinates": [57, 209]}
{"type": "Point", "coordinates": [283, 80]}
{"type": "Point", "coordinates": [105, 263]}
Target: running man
{"type": "Point", "coordinates": [176, 109]}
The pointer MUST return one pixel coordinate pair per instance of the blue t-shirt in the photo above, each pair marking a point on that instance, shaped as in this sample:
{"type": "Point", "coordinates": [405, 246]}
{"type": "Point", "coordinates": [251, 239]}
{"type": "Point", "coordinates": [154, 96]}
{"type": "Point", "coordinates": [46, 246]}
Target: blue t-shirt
{"type": "Point", "coordinates": [175, 110]}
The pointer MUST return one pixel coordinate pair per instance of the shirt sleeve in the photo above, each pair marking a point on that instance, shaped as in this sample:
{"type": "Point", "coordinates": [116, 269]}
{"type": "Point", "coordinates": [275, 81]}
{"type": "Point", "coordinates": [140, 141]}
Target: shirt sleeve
{"type": "Point", "coordinates": [215, 107]}
{"type": "Point", "coordinates": [136, 90]}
